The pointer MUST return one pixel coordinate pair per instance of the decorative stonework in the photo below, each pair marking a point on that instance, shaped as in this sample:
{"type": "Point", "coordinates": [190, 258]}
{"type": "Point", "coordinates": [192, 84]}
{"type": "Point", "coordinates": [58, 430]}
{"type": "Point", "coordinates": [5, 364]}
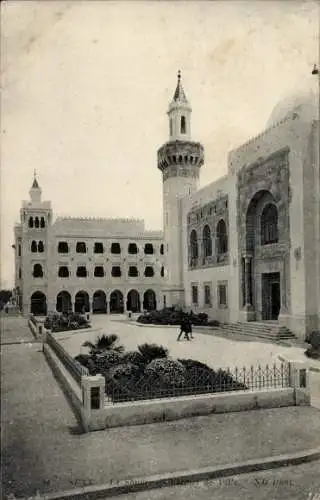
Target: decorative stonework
{"type": "Point", "coordinates": [200, 216]}
{"type": "Point", "coordinates": [271, 175]}
{"type": "Point", "coordinates": [264, 181]}
{"type": "Point", "coordinates": [181, 171]}
{"type": "Point", "coordinates": [180, 159]}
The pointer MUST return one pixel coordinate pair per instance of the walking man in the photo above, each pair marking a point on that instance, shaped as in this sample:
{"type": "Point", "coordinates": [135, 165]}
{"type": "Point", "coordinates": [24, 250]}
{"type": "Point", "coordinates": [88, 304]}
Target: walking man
{"type": "Point", "coordinates": [184, 327]}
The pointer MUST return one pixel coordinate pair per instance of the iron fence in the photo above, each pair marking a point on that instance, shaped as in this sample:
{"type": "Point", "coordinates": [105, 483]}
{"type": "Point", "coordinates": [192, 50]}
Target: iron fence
{"type": "Point", "coordinates": [137, 388]}
{"type": "Point", "coordinates": [74, 367]}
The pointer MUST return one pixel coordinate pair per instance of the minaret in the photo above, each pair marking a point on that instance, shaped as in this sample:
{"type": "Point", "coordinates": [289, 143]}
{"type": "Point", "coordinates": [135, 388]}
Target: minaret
{"type": "Point", "coordinates": [179, 160]}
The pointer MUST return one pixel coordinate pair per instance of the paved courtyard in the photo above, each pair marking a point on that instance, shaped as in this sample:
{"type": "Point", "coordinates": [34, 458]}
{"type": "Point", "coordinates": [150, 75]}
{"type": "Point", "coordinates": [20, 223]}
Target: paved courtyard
{"type": "Point", "coordinates": [207, 347]}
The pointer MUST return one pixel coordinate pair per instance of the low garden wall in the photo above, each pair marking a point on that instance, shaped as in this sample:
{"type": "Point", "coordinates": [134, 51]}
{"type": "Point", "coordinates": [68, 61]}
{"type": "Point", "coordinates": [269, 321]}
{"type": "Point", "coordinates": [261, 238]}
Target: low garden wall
{"type": "Point", "coordinates": [166, 409]}
{"type": "Point", "coordinates": [87, 395]}
{"type": "Point", "coordinates": [70, 387]}
{"type": "Point", "coordinates": [36, 327]}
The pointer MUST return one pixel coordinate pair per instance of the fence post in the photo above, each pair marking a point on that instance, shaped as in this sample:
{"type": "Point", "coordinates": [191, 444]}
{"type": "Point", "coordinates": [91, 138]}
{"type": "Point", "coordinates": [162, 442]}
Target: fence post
{"type": "Point", "coordinates": [45, 337]}
{"type": "Point", "coordinates": [299, 379]}
{"type": "Point", "coordinates": [93, 390]}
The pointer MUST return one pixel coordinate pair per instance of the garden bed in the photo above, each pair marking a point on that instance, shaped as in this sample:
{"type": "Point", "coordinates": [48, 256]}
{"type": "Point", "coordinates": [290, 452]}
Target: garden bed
{"type": "Point", "coordinates": [149, 372]}
{"type": "Point", "coordinates": [172, 316]}
{"type": "Point", "coordinates": [65, 322]}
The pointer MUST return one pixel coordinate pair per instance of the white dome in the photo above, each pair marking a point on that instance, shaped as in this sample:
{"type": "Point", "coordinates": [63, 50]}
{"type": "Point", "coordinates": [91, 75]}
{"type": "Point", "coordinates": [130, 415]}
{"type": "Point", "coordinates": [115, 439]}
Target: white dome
{"type": "Point", "coordinates": [306, 104]}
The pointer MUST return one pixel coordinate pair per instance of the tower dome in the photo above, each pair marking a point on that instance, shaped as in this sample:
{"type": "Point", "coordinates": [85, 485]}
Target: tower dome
{"type": "Point", "coordinates": [305, 103]}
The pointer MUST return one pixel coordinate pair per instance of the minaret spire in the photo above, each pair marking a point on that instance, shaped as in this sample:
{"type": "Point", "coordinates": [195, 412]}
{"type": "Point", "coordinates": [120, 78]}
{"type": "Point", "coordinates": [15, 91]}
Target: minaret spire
{"type": "Point", "coordinates": [35, 191]}
{"type": "Point", "coordinates": [179, 94]}
{"type": "Point", "coordinates": [35, 184]}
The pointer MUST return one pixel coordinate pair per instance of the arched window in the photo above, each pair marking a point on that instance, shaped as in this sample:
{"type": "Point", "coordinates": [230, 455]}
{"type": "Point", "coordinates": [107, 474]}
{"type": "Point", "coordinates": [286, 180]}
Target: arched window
{"type": "Point", "coordinates": [19, 273]}
{"type": "Point", "coordinates": [149, 272]}
{"type": "Point", "coordinates": [42, 222]}
{"type": "Point", "coordinates": [222, 237]}
{"type": "Point", "coordinates": [98, 272]}
{"type": "Point", "coordinates": [161, 249]}
{"type": "Point", "coordinates": [148, 249]}
{"type": "Point", "coordinates": [269, 224]}
{"type": "Point", "coordinates": [37, 271]}
{"type": "Point", "coordinates": [116, 272]}
{"type": "Point", "coordinates": [63, 247]}
{"type": "Point", "coordinates": [171, 127]}
{"type": "Point", "coordinates": [193, 245]}
{"type": "Point", "coordinates": [183, 125]}
{"type": "Point", "coordinates": [162, 272]}
{"type": "Point", "coordinates": [63, 272]}
{"type": "Point", "coordinates": [115, 248]}
{"type": "Point", "coordinates": [82, 272]}
{"type": "Point", "coordinates": [30, 221]}
{"type": "Point", "coordinates": [40, 247]}
{"type": "Point", "coordinates": [36, 222]}
{"type": "Point", "coordinates": [81, 247]}
{"type": "Point", "coordinates": [98, 248]}
{"type": "Point", "coordinates": [19, 250]}
{"type": "Point", "coordinates": [132, 248]}
{"type": "Point", "coordinates": [207, 241]}
{"type": "Point", "coordinates": [34, 247]}
{"type": "Point", "coordinates": [133, 271]}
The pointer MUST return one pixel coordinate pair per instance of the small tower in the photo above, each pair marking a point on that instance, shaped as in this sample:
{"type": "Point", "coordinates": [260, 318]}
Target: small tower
{"type": "Point", "coordinates": [32, 243]}
{"type": "Point", "coordinates": [179, 160]}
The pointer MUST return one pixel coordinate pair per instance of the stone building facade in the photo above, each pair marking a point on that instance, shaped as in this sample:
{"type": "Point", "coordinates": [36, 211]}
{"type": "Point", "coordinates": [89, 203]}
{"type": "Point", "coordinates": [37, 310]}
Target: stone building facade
{"type": "Point", "coordinates": [97, 265]}
{"type": "Point", "coordinates": [249, 243]}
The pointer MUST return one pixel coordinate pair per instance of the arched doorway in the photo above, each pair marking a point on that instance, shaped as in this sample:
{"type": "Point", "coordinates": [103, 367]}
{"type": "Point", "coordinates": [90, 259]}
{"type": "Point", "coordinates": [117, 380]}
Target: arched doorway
{"type": "Point", "coordinates": [99, 303]}
{"type": "Point", "coordinates": [133, 301]}
{"type": "Point", "coordinates": [116, 302]}
{"type": "Point", "coordinates": [81, 303]}
{"type": "Point", "coordinates": [38, 304]}
{"type": "Point", "coordinates": [64, 303]}
{"type": "Point", "coordinates": [149, 301]}
{"type": "Point", "coordinates": [261, 280]}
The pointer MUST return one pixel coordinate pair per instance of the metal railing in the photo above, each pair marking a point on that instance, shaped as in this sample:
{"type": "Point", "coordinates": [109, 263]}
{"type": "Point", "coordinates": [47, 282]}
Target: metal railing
{"type": "Point", "coordinates": [193, 383]}
{"type": "Point", "coordinates": [74, 367]}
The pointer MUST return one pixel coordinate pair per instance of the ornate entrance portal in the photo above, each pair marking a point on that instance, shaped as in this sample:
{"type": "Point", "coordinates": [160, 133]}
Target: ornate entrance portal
{"type": "Point", "coordinates": [271, 297]}
{"type": "Point", "coordinates": [264, 243]}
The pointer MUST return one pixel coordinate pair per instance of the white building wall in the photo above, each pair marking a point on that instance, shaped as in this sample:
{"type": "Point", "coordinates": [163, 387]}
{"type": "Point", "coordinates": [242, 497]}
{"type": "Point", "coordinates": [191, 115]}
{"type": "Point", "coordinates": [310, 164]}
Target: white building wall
{"type": "Point", "coordinates": [293, 133]}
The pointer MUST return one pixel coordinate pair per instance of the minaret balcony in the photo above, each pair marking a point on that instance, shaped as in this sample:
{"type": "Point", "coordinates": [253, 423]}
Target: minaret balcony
{"type": "Point", "coordinates": [184, 153]}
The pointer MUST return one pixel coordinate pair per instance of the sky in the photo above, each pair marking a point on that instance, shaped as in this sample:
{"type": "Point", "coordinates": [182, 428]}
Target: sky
{"type": "Point", "coordinates": [85, 88]}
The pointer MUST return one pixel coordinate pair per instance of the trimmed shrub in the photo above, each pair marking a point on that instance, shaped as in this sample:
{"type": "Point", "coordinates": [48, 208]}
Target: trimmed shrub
{"type": "Point", "coordinates": [124, 371]}
{"type": "Point", "coordinates": [169, 371]}
{"type": "Point", "coordinates": [213, 322]}
{"type": "Point", "coordinates": [102, 362]}
{"type": "Point", "coordinates": [152, 351]}
{"type": "Point", "coordinates": [201, 377]}
{"type": "Point", "coordinates": [133, 357]}
{"type": "Point", "coordinates": [63, 322]}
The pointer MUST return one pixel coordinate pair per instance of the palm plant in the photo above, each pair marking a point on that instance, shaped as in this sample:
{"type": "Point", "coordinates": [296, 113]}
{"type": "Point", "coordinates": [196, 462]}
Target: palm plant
{"type": "Point", "coordinates": [104, 343]}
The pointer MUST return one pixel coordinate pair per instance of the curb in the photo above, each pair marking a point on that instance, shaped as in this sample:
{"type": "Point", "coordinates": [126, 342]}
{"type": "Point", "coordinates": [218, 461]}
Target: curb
{"type": "Point", "coordinates": [311, 368]}
{"type": "Point", "coordinates": [134, 485]}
